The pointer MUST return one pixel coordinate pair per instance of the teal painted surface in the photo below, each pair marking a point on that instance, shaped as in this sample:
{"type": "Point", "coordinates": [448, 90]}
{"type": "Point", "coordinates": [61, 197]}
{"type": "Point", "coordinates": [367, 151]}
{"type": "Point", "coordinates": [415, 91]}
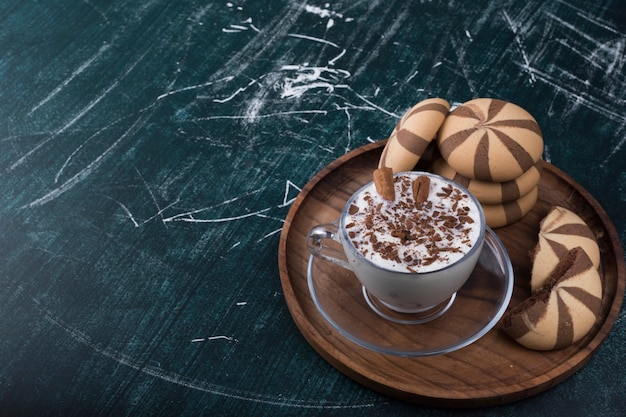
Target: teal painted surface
{"type": "Point", "coordinates": [149, 152]}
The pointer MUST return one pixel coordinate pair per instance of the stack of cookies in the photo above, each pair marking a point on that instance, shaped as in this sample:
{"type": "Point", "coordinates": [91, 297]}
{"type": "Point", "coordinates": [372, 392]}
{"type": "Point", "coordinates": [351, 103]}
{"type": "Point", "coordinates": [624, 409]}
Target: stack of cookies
{"type": "Point", "coordinates": [494, 149]}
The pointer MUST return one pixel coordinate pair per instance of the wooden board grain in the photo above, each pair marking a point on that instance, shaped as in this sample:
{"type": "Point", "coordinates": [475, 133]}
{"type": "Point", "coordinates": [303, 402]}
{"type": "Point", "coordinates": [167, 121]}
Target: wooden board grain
{"type": "Point", "coordinates": [493, 370]}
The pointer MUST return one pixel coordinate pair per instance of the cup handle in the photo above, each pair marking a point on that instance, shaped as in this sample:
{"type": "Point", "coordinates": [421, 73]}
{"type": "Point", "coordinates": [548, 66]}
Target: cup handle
{"type": "Point", "coordinates": [317, 247]}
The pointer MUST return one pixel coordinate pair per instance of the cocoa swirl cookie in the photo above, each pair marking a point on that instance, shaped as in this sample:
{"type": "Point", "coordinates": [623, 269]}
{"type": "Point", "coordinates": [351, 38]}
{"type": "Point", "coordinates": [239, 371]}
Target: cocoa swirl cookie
{"type": "Point", "coordinates": [490, 140]}
{"type": "Point", "coordinates": [413, 133]}
{"type": "Point", "coordinates": [563, 310]}
{"type": "Point", "coordinates": [560, 231]}
{"type": "Point", "coordinates": [500, 215]}
{"type": "Point", "coordinates": [493, 192]}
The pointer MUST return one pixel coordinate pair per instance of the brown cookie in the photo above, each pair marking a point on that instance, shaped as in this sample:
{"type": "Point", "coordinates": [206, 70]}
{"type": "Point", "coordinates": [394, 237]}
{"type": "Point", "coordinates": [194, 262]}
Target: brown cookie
{"type": "Point", "coordinates": [499, 215]}
{"type": "Point", "coordinates": [560, 231]}
{"type": "Point", "coordinates": [493, 192]}
{"type": "Point", "coordinates": [411, 136]}
{"type": "Point", "coordinates": [562, 311]}
{"type": "Point", "coordinates": [490, 140]}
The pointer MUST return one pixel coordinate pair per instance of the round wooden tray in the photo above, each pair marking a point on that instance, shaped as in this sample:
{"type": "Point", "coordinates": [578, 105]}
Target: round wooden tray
{"type": "Point", "coordinates": [494, 369]}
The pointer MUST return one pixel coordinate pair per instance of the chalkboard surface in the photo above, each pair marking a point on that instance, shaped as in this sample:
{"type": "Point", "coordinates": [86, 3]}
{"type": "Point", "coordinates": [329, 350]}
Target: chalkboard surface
{"type": "Point", "coordinates": [150, 151]}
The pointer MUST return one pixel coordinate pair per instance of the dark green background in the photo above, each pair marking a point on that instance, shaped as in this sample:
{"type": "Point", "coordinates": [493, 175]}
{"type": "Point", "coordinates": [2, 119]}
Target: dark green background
{"type": "Point", "coordinates": [150, 151]}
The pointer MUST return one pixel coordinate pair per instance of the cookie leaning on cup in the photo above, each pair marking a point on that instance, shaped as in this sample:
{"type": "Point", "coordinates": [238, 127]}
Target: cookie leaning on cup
{"type": "Point", "coordinates": [413, 133]}
{"type": "Point", "coordinates": [490, 140]}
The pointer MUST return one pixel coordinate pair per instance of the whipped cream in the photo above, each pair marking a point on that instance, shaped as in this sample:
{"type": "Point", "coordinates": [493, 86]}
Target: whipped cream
{"type": "Point", "coordinates": [401, 235]}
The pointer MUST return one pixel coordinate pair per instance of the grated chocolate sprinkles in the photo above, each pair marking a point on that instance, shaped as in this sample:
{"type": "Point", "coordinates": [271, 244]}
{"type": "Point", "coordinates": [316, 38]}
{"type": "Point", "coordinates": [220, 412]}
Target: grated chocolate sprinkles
{"type": "Point", "coordinates": [439, 230]}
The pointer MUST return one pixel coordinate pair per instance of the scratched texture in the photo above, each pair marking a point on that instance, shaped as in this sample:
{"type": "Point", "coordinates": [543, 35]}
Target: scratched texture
{"type": "Point", "coordinates": [149, 152]}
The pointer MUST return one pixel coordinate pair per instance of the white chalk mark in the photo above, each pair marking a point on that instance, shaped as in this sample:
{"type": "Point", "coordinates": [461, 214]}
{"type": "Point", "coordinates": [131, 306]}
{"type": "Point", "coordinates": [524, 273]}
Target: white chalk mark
{"type": "Point", "coordinates": [320, 40]}
{"type": "Point", "coordinates": [312, 38]}
{"type": "Point", "coordinates": [80, 114]}
{"type": "Point", "coordinates": [68, 80]}
{"type": "Point", "coordinates": [349, 144]}
{"type": "Point", "coordinates": [546, 154]}
{"type": "Point", "coordinates": [614, 151]}
{"type": "Point", "coordinates": [126, 210]}
{"type": "Point", "coordinates": [466, 69]}
{"type": "Point", "coordinates": [82, 145]}
{"type": "Point", "coordinates": [350, 106]}
{"type": "Point", "coordinates": [204, 339]}
{"type": "Point", "coordinates": [85, 172]}
{"type": "Point", "coordinates": [76, 118]}
{"type": "Point", "coordinates": [332, 61]}
{"type": "Point", "coordinates": [595, 20]}
{"type": "Point", "coordinates": [249, 22]}
{"type": "Point", "coordinates": [234, 28]}
{"type": "Point", "coordinates": [152, 196]}
{"type": "Point", "coordinates": [309, 78]}
{"type": "Point", "coordinates": [587, 100]}
{"type": "Point", "coordinates": [617, 59]}
{"type": "Point", "coordinates": [97, 9]}
{"type": "Point", "coordinates": [223, 203]}
{"type": "Point", "coordinates": [286, 200]}
{"type": "Point", "coordinates": [388, 113]}
{"type": "Point", "coordinates": [239, 90]}
{"type": "Point", "coordinates": [123, 359]}
{"type": "Point", "coordinates": [581, 97]}
{"type": "Point", "coordinates": [71, 156]}
{"type": "Point", "coordinates": [262, 116]}
{"type": "Point", "coordinates": [328, 149]}
{"type": "Point", "coordinates": [194, 87]}
{"type": "Point", "coordinates": [412, 76]}
{"type": "Point", "coordinates": [469, 36]}
{"type": "Point", "coordinates": [242, 303]}
{"type": "Point", "coordinates": [269, 235]}
{"type": "Point", "coordinates": [218, 220]}
{"type": "Point", "coordinates": [520, 46]}
{"type": "Point", "coordinates": [591, 60]}
{"type": "Point", "coordinates": [160, 212]}
{"type": "Point", "coordinates": [255, 105]}
{"type": "Point", "coordinates": [438, 63]}
{"type": "Point", "coordinates": [323, 13]}
{"type": "Point", "coordinates": [306, 78]}
{"type": "Point", "coordinates": [222, 337]}
{"type": "Point", "coordinates": [278, 219]}
{"type": "Point", "coordinates": [577, 31]}
{"type": "Point", "coordinates": [295, 88]}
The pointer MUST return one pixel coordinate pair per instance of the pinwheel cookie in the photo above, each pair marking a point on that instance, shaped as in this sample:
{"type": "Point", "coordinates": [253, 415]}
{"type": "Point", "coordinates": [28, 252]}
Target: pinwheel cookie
{"type": "Point", "coordinates": [413, 133]}
{"type": "Point", "coordinates": [563, 310]}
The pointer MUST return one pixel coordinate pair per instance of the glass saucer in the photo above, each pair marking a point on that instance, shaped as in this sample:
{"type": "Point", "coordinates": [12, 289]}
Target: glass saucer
{"type": "Point", "coordinates": [469, 315]}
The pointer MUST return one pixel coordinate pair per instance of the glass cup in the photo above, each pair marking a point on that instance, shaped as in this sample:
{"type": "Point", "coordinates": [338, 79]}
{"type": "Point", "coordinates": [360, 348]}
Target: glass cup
{"type": "Point", "coordinates": [400, 289]}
